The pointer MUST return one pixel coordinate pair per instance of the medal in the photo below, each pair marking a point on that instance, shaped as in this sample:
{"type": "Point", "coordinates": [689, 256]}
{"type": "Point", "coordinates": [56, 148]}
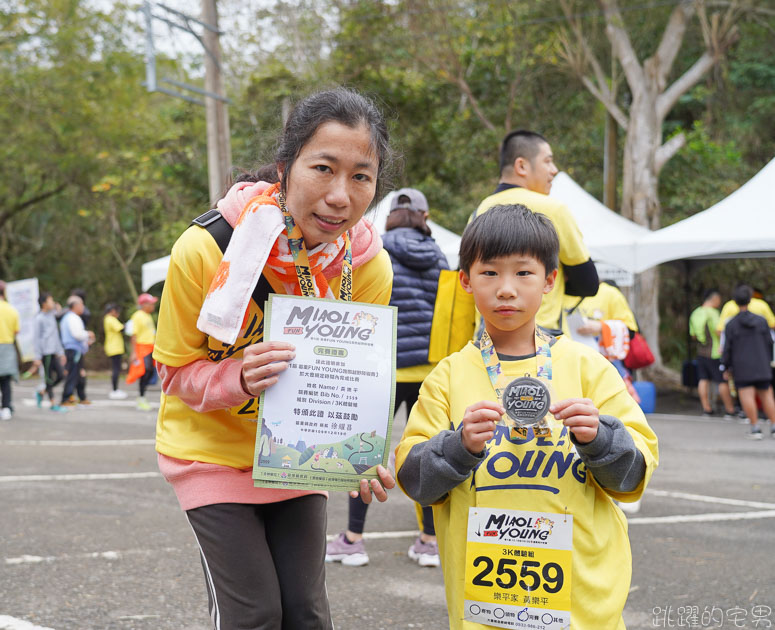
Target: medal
{"type": "Point", "coordinates": [526, 400]}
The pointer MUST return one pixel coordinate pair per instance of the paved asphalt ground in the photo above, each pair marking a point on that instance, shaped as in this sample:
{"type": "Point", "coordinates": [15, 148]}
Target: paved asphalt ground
{"type": "Point", "coordinates": [91, 537]}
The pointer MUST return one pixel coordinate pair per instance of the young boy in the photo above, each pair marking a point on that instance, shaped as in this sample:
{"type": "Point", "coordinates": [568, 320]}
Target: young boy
{"type": "Point", "coordinates": [528, 531]}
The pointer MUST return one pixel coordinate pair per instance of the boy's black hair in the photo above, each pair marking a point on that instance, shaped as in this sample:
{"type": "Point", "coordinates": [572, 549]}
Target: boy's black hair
{"type": "Point", "coordinates": [742, 295]}
{"type": "Point", "coordinates": [510, 229]}
{"type": "Point", "coordinates": [43, 297]}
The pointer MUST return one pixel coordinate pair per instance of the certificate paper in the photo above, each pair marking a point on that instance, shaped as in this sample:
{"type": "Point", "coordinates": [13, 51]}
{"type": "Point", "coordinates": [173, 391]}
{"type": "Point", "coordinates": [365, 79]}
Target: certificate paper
{"type": "Point", "coordinates": [326, 423]}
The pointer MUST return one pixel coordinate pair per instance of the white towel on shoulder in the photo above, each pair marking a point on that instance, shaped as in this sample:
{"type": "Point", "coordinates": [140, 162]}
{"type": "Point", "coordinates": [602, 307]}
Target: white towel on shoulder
{"type": "Point", "coordinates": [254, 235]}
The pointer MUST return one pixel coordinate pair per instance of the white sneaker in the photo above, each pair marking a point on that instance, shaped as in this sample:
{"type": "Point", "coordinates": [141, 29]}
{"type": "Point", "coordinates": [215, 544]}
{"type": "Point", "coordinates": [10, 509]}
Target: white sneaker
{"type": "Point", "coordinates": [117, 394]}
{"type": "Point", "coordinates": [5, 413]}
{"type": "Point", "coordinates": [426, 554]}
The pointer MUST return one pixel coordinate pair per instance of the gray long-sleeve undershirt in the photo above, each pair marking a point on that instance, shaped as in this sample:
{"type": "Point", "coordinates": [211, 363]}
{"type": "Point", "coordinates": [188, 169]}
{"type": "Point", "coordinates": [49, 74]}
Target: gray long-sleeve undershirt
{"type": "Point", "coordinates": [435, 467]}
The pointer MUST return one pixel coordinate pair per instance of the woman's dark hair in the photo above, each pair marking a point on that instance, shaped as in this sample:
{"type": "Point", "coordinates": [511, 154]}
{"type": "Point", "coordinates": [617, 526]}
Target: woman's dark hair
{"type": "Point", "coordinates": [111, 306]}
{"type": "Point", "coordinates": [406, 217]}
{"type": "Point", "coordinates": [344, 106]}
{"type": "Point", "coordinates": [506, 230]}
{"type": "Point", "coordinates": [43, 297]}
{"type": "Point", "coordinates": [264, 173]}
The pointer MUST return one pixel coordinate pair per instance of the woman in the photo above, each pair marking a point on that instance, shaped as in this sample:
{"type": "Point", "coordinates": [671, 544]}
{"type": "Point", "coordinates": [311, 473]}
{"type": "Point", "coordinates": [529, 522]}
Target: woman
{"type": "Point", "coordinates": [417, 262]}
{"type": "Point", "coordinates": [263, 549]}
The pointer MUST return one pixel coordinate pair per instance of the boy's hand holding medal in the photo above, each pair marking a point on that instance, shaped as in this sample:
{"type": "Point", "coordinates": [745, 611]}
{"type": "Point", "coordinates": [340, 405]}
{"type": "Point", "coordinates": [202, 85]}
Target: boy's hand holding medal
{"type": "Point", "coordinates": [580, 416]}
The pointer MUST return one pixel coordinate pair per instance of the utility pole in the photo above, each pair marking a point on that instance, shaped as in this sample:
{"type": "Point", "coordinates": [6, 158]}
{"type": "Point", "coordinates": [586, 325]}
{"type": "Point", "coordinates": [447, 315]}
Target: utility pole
{"type": "Point", "coordinates": [218, 142]}
{"type": "Point", "coordinates": [215, 102]}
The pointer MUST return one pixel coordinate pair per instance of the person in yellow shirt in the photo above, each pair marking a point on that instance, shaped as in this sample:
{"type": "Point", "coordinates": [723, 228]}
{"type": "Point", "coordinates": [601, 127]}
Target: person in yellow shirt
{"type": "Point", "coordinates": [9, 364]}
{"type": "Point", "coordinates": [114, 347]}
{"type": "Point", "coordinates": [609, 308]}
{"type": "Point", "coordinates": [525, 514]}
{"type": "Point", "coordinates": [526, 172]}
{"type": "Point", "coordinates": [757, 306]}
{"type": "Point", "coordinates": [263, 549]}
{"type": "Point", "coordinates": [143, 337]}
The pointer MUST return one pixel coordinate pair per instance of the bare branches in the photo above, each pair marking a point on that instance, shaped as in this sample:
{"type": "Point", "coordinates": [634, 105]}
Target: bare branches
{"type": "Point", "coordinates": [671, 42]}
{"type": "Point", "coordinates": [668, 150]}
{"type": "Point", "coordinates": [580, 57]}
{"type": "Point", "coordinates": [720, 31]}
{"type": "Point", "coordinates": [683, 84]}
{"type": "Point", "coordinates": [466, 89]}
{"type": "Point", "coordinates": [622, 46]}
{"type": "Point", "coordinates": [23, 205]}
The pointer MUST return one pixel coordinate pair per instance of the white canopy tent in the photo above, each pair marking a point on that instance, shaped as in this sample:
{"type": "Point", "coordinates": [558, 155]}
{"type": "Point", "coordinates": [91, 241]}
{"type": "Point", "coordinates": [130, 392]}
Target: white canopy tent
{"type": "Point", "coordinates": [740, 226]}
{"type": "Point", "coordinates": [155, 271]}
{"type": "Point", "coordinates": [609, 236]}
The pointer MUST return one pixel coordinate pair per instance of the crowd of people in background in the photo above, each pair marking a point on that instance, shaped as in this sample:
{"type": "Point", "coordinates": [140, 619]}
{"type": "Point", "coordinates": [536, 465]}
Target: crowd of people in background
{"type": "Point", "coordinates": [522, 249]}
{"type": "Point", "coordinates": [735, 355]}
{"type": "Point", "coordinates": [61, 339]}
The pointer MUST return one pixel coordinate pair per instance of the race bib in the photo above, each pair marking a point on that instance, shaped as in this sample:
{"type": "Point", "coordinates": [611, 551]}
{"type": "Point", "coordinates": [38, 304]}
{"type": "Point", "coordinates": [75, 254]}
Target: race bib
{"type": "Point", "coordinates": [518, 569]}
{"type": "Point", "coordinates": [247, 410]}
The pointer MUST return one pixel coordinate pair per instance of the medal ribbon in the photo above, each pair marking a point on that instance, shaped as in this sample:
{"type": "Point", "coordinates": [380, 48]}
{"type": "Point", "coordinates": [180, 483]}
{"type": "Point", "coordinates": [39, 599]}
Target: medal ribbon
{"type": "Point", "coordinates": [301, 260]}
{"type": "Point", "coordinates": [499, 380]}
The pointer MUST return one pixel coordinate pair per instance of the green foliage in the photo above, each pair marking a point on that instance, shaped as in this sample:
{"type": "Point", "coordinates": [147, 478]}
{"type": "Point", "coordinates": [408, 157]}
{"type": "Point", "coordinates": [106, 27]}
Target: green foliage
{"type": "Point", "coordinates": [102, 176]}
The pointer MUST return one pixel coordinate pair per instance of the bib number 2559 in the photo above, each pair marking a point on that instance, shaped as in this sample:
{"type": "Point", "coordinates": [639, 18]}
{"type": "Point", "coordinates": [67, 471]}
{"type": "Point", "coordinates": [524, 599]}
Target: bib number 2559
{"type": "Point", "coordinates": [529, 575]}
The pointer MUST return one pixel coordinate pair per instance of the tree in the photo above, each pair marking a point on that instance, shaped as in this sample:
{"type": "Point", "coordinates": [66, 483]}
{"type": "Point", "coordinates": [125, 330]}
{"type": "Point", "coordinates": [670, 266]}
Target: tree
{"type": "Point", "coordinates": [101, 175]}
{"type": "Point", "coordinates": [653, 96]}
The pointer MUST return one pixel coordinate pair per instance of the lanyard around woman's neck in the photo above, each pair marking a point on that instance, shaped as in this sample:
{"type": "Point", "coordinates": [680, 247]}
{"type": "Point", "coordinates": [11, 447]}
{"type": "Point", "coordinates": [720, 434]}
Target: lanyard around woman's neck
{"type": "Point", "coordinates": [301, 259]}
{"type": "Point", "coordinates": [500, 381]}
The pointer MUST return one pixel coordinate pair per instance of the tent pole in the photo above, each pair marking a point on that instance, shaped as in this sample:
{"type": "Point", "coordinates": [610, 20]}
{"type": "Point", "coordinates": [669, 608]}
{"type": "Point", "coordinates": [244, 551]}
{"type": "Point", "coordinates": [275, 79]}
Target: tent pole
{"type": "Point", "coordinates": [688, 308]}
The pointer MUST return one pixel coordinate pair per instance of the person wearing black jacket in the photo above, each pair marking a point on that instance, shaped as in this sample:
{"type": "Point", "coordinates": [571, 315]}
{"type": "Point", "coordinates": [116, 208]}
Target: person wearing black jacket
{"type": "Point", "coordinates": [417, 263]}
{"type": "Point", "coordinates": [747, 358]}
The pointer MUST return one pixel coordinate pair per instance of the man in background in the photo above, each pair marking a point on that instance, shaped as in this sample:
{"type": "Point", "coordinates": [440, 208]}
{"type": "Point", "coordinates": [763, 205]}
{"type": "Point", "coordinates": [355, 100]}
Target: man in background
{"type": "Point", "coordinates": [76, 341]}
{"type": "Point", "coordinates": [526, 173]}
{"type": "Point", "coordinates": [703, 328]}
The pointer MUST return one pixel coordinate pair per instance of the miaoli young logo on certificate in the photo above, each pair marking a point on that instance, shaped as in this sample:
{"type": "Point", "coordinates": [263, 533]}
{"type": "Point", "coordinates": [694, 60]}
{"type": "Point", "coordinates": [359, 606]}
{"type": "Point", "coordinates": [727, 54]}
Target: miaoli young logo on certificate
{"type": "Point", "coordinates": [327, 422]}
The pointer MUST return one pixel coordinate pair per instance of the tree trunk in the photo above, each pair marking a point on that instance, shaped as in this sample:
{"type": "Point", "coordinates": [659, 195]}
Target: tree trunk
{"type": "Point", "coordinates": [640, 202]}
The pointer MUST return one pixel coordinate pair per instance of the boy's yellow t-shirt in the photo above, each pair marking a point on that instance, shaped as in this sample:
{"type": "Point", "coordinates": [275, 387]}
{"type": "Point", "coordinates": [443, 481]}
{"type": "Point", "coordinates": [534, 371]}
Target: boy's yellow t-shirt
{"type": "Point", "coordinates": [608, 303]}
{"type": "Point", "coordinates": [143, 328]}
{"type": "Point", "coordinates": [572, 248]}
{"type": "Point", "coordinates": [223, 436]}
{"type": "Point", "coordinates": [545, 475]}
{"type": "Point", "coordinates": [114, 340]}
{"type": "Point", "coordinates": [757, 307]}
